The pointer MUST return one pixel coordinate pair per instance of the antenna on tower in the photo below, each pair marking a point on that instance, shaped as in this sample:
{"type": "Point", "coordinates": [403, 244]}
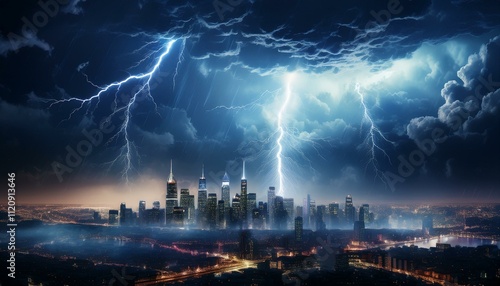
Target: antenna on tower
{"type": "Point", "coordinates": [171, 176]}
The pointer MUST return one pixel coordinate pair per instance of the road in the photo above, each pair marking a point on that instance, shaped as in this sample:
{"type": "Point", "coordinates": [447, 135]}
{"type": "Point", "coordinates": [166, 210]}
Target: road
{"type": "Point", "coordinates": [237, 265]}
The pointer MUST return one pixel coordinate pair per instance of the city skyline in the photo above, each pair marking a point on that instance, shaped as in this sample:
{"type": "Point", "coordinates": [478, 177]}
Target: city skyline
{"type": "Point", "coordinates": [370, 100]}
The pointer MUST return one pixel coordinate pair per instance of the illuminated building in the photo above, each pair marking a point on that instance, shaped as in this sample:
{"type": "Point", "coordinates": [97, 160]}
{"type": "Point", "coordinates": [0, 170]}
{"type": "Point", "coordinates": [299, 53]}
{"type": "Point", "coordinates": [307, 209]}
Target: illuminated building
{"type": "Point", "coordinates": [333, 210]}
{"type": "Point", "coordinates": [364, 213]}
{"type": "Point", "coordinates": [187, 202]}
{"type": "Point", "coordinates": [288, 205]}
{"type": "Point", "coordinates": [212, 210]}
{"type": "Point", "coordinates": [349, 210]}
{"type": "Point", "coordinates": [312, 213]}
{"type": "Point", "coordinates": [142, 210]}
{"type": "Point", "coordinates": [271, 195]}
{"type": "Point", "coordinates": [244, 199]}
{"type": "Point", "coordinates": [178, 216]}
{"type": "Point", "coordinates": [221, 214]}
{"type": "Point", "coordinates": [235, 211]}
{"type": "Point", "coordinates": [202, 198]}
{"type": "Point", "coordinates": [280, 214]}
{"type": "Point", "coordinates": [306, 208]}
{"type": "Point", "coordinates": [225, 196]}
{"type": "Point", "coordinates": [171, 201]}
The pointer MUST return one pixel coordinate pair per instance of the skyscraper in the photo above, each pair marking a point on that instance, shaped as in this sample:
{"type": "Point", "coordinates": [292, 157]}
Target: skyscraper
{"type": "Point", "coordinates": [235, 212]}
{"type": "Point", "coordinates": [178, 216]}
{"type": "Point", "coordinates": [142, 211]}
{"type": "Point", "coordinates": [271, 195]}
{"type": "Point", "coordinates": [183, 202]}
{"type": "Point", "coordinates": [364, 213]}
{"type": "Point", "coordinates": [288, 205]}
{"type": "Point", "coordinates": [123, 207]}
{"type": "Point", "coordinates": [280, 214]}
{"type": "Point", "coordinates": [202, 198]}
{"type": "Point", "coordinates": [126, 215]}
{"type": "Point", "coordinates": [312, 214]}
{"type": "Point", "coordinates": [306, 208]}
{"type": "Point", "coordinates": [251, 201]}
{"type": "Point", "coordinates": [212, 210]}
{"type": "Point", "coordinates": [113, 217]}
{"type": "Point", "coordinates": [350, 212]}
{"type": "Point", "coordinates": [221, 214]}
{"type": "Point", "coordinates": [226, 195]}
{"type": "Point", "coordinates": [299, 228]}
{"type": "Point", "coordinates": [333, 209]}
{"type": "Point", "coordinates": [171, 201]}
{"type": "Point", "coordinates": [244, 199]}
{"type": "Point", "coordinates": [187, 203]}
{"type": "Point", "coordinates": [320, 223]}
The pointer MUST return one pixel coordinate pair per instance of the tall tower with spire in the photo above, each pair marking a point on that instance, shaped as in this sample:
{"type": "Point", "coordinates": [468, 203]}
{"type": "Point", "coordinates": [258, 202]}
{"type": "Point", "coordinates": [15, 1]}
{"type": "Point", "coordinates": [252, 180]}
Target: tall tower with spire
{"type": "Point", "coordinates": [226, 194]}
{"type": "Point", "coordinates": [244, 198]}
{"type": "Point", "coordinates": [202, 198]}
{"type": "Point", "coordinates": [171, 200]}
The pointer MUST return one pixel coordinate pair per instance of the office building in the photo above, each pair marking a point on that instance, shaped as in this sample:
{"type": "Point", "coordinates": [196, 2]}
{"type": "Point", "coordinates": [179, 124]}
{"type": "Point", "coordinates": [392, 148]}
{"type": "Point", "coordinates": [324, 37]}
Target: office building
{"type": "Point", "coordinates": [212, 210]}
{"type": "Point", "coordinates": [235, 213]}
{"type": "Point", "coordinates": [187, 202]}
{"type": "Point", "coordinates": [244, 199]}
{"type": "Point", "coordinates": [178, 216]}
{"type": "Point", "coordinates": [251, 201]}
{"type": "Point", "coordinates": [221, 214]}
{"type": "Point", "coordinates": [280, 214]}
{"type": "Point", "coordinates": [334, 215]}
{"type": "Point", "coordinates": [171, 199]}
{"type": "Point", "coordinates": [271, 195]}
{"type": "Point", "coordinates": [349, 210]}
{"type": "Point", "coordinates": [113, 217]}
{"type": "Point", "coordinates": [299, 229]}
{"type": "Point", "coordinates": [299, 211]}
{"type": "Point", "coordinates": [319, 221]}
{"type": "Point", "coordinates": [202, 198]}
{"type": "Point", "coordinates": [288, 205]}
{"type": "Point", "coordinates": [364, 213]}
{"type": "Point", "coordinates": [226, 195]}
{"type": "Point", "coordinates": [142, 210]}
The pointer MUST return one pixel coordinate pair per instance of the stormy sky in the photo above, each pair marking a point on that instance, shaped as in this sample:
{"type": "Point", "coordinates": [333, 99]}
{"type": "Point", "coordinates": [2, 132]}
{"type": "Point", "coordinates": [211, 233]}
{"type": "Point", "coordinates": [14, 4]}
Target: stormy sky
{"type": "Point", "coordinates": [385, 100]}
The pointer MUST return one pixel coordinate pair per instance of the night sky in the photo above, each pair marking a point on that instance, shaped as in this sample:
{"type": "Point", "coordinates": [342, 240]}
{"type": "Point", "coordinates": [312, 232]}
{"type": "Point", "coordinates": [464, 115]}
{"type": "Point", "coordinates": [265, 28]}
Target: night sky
{"type": "Point", "coordinates": [385, 100]}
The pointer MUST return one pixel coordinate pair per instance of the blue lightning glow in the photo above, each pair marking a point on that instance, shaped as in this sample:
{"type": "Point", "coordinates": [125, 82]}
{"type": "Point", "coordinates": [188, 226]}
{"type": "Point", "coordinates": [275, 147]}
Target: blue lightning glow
{"type": "Point", "coordinates": [128, 150]}
{"type": "Point", "coordinates": [373, 133]}
{"type": "Point", "coordinates": [281, 131]}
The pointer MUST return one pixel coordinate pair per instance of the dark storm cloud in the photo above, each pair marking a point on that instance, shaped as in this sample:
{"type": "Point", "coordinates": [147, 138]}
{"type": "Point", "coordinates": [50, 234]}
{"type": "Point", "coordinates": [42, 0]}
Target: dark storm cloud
{"type": "Point", "coordinates": [466, 150]}
{"type": "Point", "coordinates": [228, 58]}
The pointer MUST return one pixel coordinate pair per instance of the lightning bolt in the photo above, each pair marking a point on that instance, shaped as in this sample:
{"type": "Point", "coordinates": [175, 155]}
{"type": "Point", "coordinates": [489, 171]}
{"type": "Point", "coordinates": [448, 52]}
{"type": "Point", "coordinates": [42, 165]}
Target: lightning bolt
{"type": "Point", "coordinates": [371, 138]}
{"type": "Point", "coordinates": [128, 150]}
{"type": "Point", "coordinates": [281, 132]}
{"type": "Point", "coordinates": [253, 104]}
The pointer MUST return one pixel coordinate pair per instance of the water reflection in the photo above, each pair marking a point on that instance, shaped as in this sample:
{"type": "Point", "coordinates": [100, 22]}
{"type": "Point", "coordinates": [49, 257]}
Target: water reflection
{"type": "Point", "coordinates": [454, 241]}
